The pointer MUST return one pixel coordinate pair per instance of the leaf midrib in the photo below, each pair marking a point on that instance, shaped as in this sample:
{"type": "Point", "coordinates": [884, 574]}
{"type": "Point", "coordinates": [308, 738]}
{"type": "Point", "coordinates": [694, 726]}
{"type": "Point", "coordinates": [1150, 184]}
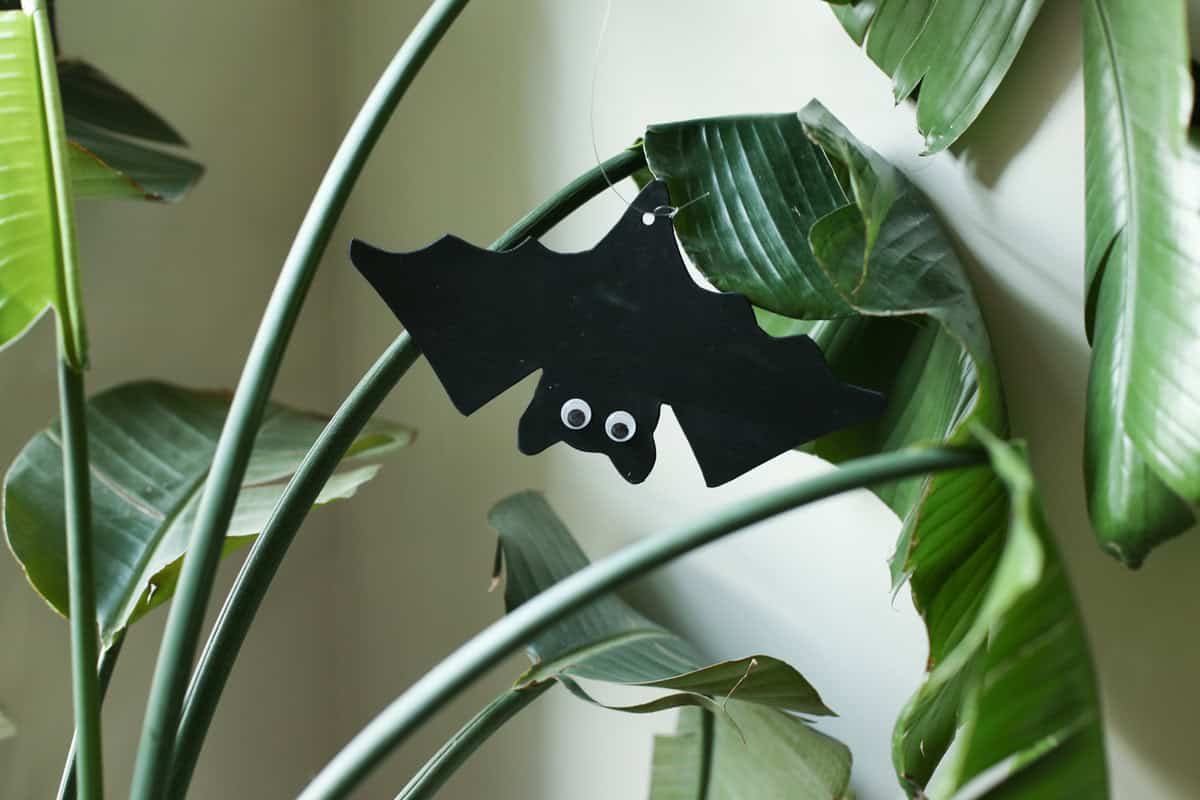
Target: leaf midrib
{"type": "Point", "coordinates": [1130, 200]}
{"type": "Point", "coordinates": [163, 522]}
{"type": "Point", "coordinates": [547, 669]}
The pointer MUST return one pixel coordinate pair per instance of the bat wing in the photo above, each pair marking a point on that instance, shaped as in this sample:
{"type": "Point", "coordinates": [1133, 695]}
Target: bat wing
{"type": "Point", "coordinates": [481, 317]}
{"type": "Point", "coordinates": [762, 396]}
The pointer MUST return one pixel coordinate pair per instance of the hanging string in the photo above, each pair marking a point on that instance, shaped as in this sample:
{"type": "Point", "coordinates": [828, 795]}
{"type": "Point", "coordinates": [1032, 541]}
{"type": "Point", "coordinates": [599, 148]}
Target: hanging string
{"type": "Point", "coordinates": [647, 214]}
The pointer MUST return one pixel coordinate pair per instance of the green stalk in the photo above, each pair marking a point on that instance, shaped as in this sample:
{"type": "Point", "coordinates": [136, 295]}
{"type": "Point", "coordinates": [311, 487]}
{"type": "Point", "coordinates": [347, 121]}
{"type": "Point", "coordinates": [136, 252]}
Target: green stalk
{"type": "Point", "coordinates": [454, 753]}
{"type": "Point", "coordinates": [108, 663]}
{"type": "Point", "coordinates": [322, 459]}
{"type": "Point", "coordinates": [494, 643]}
{"type": "Point", "coordinates": [72, 357]}
{"type": "Point", "coordinates": [253, 392]}
{"type": "Point", "coordinates": [85, 645]}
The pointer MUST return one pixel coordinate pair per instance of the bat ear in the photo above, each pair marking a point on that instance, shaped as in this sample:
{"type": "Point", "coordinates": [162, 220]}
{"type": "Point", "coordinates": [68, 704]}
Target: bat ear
{"type": "Point", "coordinates": [634, 463]}
{"type": "Point", "coordinates": [653, 195]}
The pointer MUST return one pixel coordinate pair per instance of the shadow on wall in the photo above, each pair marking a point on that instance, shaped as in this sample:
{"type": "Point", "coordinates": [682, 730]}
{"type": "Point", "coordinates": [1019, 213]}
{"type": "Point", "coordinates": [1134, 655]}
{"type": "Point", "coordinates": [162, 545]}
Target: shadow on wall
{"type": "Point", "coordinates": [412, 574]}
{"type": "Point", "coordinates": [1147, 669]}
{"type": "Point", "coordinates": [1048, 60]}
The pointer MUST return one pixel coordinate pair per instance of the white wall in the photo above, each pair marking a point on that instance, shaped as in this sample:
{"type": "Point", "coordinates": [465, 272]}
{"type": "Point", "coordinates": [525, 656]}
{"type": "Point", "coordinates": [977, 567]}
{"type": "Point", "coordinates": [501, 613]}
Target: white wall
{"type": "Point", "coordinates": [378, 590]}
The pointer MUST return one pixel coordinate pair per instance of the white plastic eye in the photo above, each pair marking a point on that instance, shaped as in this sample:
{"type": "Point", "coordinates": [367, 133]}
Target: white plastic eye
{"type": "Point", "coordinates": [620, 426]}
{"type": "Point", "coordinates": [648, 218]}
{"type": "Point", "coordinates": [576, 414]}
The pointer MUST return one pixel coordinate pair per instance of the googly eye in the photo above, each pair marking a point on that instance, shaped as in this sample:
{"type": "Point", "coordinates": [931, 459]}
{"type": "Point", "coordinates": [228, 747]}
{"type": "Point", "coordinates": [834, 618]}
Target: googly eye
{"type": "Point", "coordinates": [576, 414]}
{"type": "Point", "coordinates": [620, 426]}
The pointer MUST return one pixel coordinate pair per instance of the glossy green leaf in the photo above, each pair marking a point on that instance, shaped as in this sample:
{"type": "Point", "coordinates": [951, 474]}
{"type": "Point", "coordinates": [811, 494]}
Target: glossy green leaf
{"type": "Point", "coordinates": [1143, 275]}
{"type": "Point", "coordinates": [150, 446]}
{"type": "Point", "coordinates": [912, 330]}
{"type": "Point", "coordinates": [1030, 720]}
{"type": "Point", "coordinates": [609, 641]}
{"type": "Point", "coordinates": [779, 757]}
{"type": "Point", "coordinates": [37, 236]}
{"type": "Point", "coordinates": [90, 95]}
{"type": "Point", "coordinates": [957, 53]}
{"type": "Point", "coordinates": [116, 141]}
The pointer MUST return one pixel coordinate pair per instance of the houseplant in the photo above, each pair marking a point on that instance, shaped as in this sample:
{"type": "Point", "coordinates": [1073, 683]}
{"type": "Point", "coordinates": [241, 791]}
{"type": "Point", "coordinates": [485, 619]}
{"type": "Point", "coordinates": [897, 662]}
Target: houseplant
{"type": "Point", "coordinates": [837, 143]}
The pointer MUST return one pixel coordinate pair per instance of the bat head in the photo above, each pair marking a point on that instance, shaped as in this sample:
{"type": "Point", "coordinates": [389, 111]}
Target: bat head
{"type": "Point", "coordinates": [590, 410]}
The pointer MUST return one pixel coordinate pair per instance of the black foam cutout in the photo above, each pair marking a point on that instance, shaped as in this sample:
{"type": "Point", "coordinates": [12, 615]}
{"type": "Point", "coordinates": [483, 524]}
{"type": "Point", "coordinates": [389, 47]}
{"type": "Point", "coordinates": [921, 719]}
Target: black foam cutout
{"type": "Point", "coordinates": [622, 327]}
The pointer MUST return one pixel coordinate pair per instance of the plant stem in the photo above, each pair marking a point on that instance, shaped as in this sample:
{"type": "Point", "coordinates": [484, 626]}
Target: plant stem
{"type": "Point", "coordinates": [84, 635]}
{"type": "Point", "coordinates": [485, 650]}
{"type": "Point", "coordinates": [108, 663]}
{"type": "Point", "coordinates": [77, 486]}
{"type": "Point", "coordinates": [454, 753]}
{"type": "Point", "coordinates": [253, 392]}
{"type": "Point", "coordinates": [322, 459]}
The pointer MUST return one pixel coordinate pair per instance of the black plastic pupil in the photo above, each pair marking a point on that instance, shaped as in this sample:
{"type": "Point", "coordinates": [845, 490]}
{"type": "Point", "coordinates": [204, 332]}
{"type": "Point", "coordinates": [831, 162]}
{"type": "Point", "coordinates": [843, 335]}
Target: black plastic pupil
{"type": "Point", "coordinates": [576, 418]}
{"type": "Point", "coordinates": [620, 430]}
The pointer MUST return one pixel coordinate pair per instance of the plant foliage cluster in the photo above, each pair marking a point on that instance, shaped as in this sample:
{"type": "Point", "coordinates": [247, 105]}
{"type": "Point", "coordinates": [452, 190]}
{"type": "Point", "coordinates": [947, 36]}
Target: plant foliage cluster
{"type": "Point", "coordinates": [128, 500]}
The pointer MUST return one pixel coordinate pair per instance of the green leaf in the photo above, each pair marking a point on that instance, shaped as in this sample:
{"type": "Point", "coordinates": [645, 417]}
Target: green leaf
{"type": "Point", "coordinates": [88, 94]}
{"type": "Point", "coordinates": [779, 756]}
{"type": "Point", "coordinates": [37, 236]}
{"type": "Point", "coordinates": [912, 330]}
{"type": "Point", "coordinates": [609, 641]}
{"type": "Point", "coordinates": [114, 139]}
{"type": "Point", "coordinates": [7, 729]}
{"type": "Point", "coordinates": [150, 446]}
{"type": "Point", "coordinates": [1143, 275]}
{"type": "Point", "coordinates": [1030, 720]}
{"type": "Point", "coordinates": [957, 53]}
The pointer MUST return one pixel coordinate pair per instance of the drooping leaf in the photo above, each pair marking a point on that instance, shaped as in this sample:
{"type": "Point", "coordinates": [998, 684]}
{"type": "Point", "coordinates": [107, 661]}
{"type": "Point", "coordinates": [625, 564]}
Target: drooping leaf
{"type": "Point", "coordinates": [779, 756]}
{"type": "Point", "coordinates": [116, 141]}
{"type": "Point", "coordinates": [1030, 719]}
{"type": "Point", "coordinates": [609, 641]}
{"type": "Point", "coordinates": [37, 236]}
{"type": "Point", "coordinates": [90, 95]}
{"type": "Point", "coordinates": [957, 53]}
{"type": "Point", "coordinates": [911, 329]}
{"type": "Point", "coordinates": [150, 446]}
{"type": "Point", "coordinates": [1143, 275]}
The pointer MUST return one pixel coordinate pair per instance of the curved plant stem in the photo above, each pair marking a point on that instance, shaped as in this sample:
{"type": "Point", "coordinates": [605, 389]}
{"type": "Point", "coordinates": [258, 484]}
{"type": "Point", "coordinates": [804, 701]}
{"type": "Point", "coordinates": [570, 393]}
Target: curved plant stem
{"type": "Point", "coordinates": [485, 650]}
{"type": "Point", "coordinates": [253, 392]}
{"type": "Point", "coordinates": [260, 566]}
{"type": "Point", "coordinates": [108, 664]}
{"type": "Point", "coordinates": [322, 459]}
{"type": "Point", "coordinates": [454, 753]}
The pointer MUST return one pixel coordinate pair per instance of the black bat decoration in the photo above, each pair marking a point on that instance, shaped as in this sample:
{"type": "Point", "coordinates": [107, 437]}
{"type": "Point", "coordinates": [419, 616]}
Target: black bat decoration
{"type": "Point", "coordinates": [617, 331]}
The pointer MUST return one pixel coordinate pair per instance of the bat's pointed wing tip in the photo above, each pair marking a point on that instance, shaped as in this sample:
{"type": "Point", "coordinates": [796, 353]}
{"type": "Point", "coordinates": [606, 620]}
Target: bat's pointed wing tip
{"type": "Point", "coordinates": [367, 258]}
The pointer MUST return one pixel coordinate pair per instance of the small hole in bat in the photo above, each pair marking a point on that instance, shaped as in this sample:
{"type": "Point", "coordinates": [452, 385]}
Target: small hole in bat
{"type": "Point", "coordinates": [648, 218]}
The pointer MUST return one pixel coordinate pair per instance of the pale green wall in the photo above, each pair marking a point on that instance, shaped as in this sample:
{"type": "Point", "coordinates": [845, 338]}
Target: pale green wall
{"type": "Point", "coordinates": [378, 590]}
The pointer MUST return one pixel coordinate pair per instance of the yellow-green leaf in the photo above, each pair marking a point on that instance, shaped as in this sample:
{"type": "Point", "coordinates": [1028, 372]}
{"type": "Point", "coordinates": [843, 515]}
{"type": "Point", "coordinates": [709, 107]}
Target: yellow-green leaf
{"type": "Point", "coordinates": [38, 268]}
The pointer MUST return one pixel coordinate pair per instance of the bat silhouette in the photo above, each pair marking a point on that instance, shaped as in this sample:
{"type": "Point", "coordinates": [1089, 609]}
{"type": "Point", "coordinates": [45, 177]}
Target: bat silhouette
{"type": "Point", "coordinates": [617, 331]}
